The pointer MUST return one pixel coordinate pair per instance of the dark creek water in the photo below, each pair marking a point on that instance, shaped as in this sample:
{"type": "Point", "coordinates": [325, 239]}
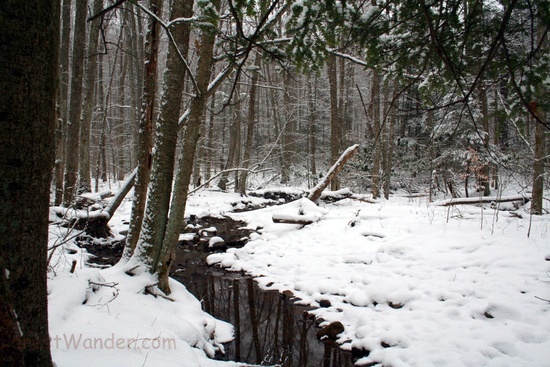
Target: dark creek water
{"type": "Point", "coordinates": [269, 328]}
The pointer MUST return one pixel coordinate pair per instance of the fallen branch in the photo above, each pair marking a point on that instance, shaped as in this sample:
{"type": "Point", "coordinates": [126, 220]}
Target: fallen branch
{"type": "Point", "coordinates": [486, 199]}
{"type": "Point", "coordinates": [293, 219]}
{"type": "Point", "coordinates": [334, 170]}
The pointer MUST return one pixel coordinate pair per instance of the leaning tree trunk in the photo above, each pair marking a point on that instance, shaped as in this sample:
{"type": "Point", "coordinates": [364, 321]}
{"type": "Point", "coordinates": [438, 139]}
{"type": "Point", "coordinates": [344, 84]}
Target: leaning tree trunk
{"type": "Point", "coordinates": [29, 41]}
{"type": "Point", "coordinates": [75, 106]}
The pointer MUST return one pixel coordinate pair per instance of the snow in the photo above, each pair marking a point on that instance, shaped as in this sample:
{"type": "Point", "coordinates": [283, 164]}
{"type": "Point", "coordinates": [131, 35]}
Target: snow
{"type": "Point", "coordinates": [411, 286]}
{"type": "Point", "coordinates": [416, 284]}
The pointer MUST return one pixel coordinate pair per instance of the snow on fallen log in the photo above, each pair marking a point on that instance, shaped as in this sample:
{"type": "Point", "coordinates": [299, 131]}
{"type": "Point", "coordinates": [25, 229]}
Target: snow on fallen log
{"type": "Point", "coordinates": [302, 212]}
{"type": "Point", "coordinates": [485, 199]}
{"type": "Point", "coordinates": [294, 219]}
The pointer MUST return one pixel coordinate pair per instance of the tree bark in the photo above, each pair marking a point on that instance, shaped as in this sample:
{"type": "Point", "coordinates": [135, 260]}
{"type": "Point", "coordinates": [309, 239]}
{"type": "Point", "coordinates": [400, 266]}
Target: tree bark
{"type": "Point", "coordinates": [29, 41]}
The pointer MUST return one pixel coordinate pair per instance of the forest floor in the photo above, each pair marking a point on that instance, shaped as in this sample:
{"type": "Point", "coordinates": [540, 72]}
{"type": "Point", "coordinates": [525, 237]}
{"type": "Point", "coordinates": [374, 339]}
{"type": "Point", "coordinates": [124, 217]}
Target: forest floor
{"type": "Point", "coordinates": [415, 284]}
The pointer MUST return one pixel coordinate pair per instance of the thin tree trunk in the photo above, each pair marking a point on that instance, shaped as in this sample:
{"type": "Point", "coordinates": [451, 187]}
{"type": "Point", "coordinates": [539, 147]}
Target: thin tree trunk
{"type": "Point", "coordinates": [486, 170]}
{"type": "Point", "coordinates": [335, 134]}
{"type": "Point", "coordinates": [250, 126]}
{"type": "Point", "coordinates": [375, 116]}
{"type": "Point", "coordinates": [234, 141]}
{"type": "Point", "coordinates": [29, 45]}
{"type": "Point", "coordinates": [145, 133]}
{"type": "Point", "coordinates": [288, 132]}
{"type": "Point", "coordinates": [75, 106]}
{"type": "Point", "coordinates": [540, 146]}
{"type": "Point", "coordinates": [538, 169]}
{"type": "Point", "coordinates": [391, 118]}
{"type": "Point", "coordinates": [209, 156]}
{"type": "Point", "coordinates": [311, 122]}
{"type": "Point", "coordinates": [62, 101]}
{"type": "Point", "coordinates": [85, 182]}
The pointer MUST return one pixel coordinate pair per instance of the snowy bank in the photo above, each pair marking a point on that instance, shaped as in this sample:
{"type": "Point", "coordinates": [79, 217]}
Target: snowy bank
{"type": "Point", "coordinates": [414, 284]}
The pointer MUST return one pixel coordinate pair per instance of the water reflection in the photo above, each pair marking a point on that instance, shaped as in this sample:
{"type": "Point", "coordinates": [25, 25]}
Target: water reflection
{"type": "Point", "coordinates": [269, 328]}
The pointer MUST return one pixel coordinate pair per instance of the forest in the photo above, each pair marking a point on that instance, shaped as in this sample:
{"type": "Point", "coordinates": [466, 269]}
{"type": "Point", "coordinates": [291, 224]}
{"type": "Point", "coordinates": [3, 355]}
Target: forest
{"type": "Point", "coordinates": [166, 99]}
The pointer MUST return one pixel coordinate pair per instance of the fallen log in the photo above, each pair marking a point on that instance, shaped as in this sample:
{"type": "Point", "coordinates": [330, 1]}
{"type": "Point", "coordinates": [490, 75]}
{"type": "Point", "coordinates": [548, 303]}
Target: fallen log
{"type": "Point", "coordinates": [334, 170]}
{"type": "Point", "coordinates": [293, 219]}
{"type": "Point", "coordinates": [524, 199]}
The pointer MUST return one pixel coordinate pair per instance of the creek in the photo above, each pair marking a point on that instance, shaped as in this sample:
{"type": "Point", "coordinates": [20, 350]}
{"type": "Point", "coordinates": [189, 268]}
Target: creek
{"type": "Point", "coordinates": [270, 329]}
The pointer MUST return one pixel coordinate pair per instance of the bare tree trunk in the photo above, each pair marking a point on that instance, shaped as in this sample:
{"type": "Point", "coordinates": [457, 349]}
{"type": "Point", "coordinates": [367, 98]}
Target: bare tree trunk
{"type": "Point", "coordinates": [160, 186]}
{"type": "Point", "coordinates": [62, 100]}
{"type": "Point", "coordinates": [209, 156]}
{"type": "Point", "coordinates": [75, 106]}
{"type": "Point", "coordinates": [335, 121]}
{"type": "Point", "coordinates": [311, 122]}
{"type": "Point", "coordinates": [391, 118]}
{"type": "Point", "coordinates": [29, 45]}
{"type": "Point", "coordinates": [145, 132]}
{"type": "Point", "coordinates": [163, 256]}
{"type": "Point", "coordinates": [486, 171]}
{"type": "Point", "coordinates": [538, 169]}
{"type": "Point", "coordinates": [275, 110]}
{"type": "Point", "coordinates": [234, 143]}
{"type": "Point", "coordinates": [90, 75]}
{"type": "Point", "coordinates": [250, 126]}
{"type": "Point", "coordinates": [288, 131]}
{"type": "Point", "coordinates": [375, 116]}
{"type": "Point", "coordinates": [540, 146]}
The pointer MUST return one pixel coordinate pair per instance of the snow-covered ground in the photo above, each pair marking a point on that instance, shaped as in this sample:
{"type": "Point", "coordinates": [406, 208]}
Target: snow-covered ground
{"type": "Point", "coordinates": [415, 284]}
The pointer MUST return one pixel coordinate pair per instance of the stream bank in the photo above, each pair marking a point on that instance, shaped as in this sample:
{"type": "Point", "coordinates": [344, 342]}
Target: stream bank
{"type": "Point", "coordinates": [270, 329]}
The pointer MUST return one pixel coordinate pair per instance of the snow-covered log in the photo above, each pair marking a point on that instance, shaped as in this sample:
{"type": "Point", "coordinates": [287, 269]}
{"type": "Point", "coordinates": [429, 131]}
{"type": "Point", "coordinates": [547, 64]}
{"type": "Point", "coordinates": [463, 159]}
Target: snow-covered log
{"type": "Point", "coordinates": [485, 199]}
{"type": "Point", "coordinates": [294, 219]}
{"type": "Point", "coordinates": [334, 170]}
